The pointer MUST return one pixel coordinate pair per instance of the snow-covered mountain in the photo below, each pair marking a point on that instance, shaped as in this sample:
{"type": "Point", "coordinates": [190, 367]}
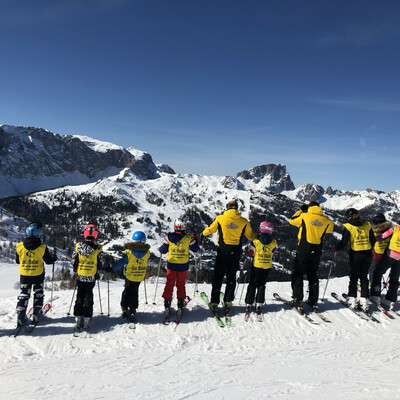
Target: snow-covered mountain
{"type": "Point", "coordinates": [33, 159]}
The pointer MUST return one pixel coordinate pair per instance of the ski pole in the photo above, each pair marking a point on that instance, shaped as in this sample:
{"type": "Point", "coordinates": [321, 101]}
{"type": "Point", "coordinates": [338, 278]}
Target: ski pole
{"type": "Point", "coordinates": [108, 297]}
{"type": "Point", "coordinates": [101, 308]}
{"type": "Point", "coordinates": [329, 275]}
{"type": "Point", "coordinates": [241, 270]}
{"type": "Point", "coordinates": [197, 264]}
{"type": "Point", "coordinates": [52, 288]}
{"type": "Point", "coordinates": [158, 275]}
{"type": "Point", "coordinates": [145, 290]}
{"type": "Point", "coordinates": [72, 299]}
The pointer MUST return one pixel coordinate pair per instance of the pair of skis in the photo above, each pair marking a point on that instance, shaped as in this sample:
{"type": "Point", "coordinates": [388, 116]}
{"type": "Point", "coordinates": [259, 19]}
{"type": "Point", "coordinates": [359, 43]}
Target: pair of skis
{"type": "Point", "coordinates": [30, 324]}
{"type": "Point", "coordinates": [304, 315]}
{"type": "Point", "coordinates": [218, 320]}
{"type": "Point", "coordinates": [363, 314]}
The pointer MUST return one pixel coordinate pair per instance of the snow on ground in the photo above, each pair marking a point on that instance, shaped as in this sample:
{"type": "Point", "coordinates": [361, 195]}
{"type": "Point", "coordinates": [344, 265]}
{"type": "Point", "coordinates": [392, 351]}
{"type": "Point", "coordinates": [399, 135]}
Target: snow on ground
{"type": "Point", "coordinates": [282, 358]}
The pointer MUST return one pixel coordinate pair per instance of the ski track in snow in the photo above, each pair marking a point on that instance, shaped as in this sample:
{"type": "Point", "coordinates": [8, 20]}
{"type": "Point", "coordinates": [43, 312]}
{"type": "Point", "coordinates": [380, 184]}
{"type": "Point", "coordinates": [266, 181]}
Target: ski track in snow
{"type": "Point", "coordinates": [283, 357]}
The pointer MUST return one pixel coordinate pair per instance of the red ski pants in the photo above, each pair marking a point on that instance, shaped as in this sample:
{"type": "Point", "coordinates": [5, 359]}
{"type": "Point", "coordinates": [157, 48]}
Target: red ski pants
{"type": "Point", "coordinates": [178, 278]}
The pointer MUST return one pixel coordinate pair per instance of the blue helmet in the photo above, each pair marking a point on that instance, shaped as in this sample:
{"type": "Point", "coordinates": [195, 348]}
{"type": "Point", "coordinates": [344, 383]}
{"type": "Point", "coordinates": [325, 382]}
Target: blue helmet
{"type": "Point", "coordinates": [139, 236]}
{"type": "Point", "coordinates": [34, 230]}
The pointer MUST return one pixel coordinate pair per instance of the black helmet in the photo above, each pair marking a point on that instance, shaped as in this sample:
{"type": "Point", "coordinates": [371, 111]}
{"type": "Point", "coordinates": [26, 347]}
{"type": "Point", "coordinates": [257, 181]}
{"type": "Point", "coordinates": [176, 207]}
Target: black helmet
{"type": "Point", "coordinates": [378, 219]}
{"type": "Point", "coordinates": [350, 213]}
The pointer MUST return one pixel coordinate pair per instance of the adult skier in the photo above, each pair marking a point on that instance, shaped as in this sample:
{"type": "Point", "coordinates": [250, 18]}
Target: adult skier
{"type": "Point", "coordinates": [390, 259]}
{"type": "Point", "coordinates": [31, 254]}
{"type": "Point", "coordinates": [134, 262]}
{"type": "Point", "coordinates": [232, 229]}
{"type": "Point", "coordinates": [262, 250]}
{"type": "Point", "coordinates": [86, 263]}
{"type": "Point", "coordinates": [177, 244]}
{"type": "Point", "coordinates": [313, 226]}
{"type": "Point", "coordinates": [359, 234]}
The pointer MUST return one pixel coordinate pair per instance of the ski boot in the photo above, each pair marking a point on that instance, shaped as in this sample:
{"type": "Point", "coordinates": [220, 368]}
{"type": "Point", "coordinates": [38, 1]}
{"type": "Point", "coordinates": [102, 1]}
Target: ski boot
{"type": "Point", "coordinates": [214, 308]}
{"type": "Point", "coordinates": [181, 303]}
{"type": "Point", "coordinates": [387, 304]}
{"type": "Point", "coordinates": [352, 302]}
{"type": "Point", "coordinates": [125, 313]}
{"type": "Point", "coordinates": [21, 318]}
{"type": "Point", "coordinates": [86, 323]}
{"type": "Point", "coordinates": [132, 315]}
{"type": "Point", "coordinates": [297, 304]}
{"type": "Point", "coordinates": [78, 323]}
{"type": "Point", "coordinates": [227, 308]}
{"type": "Point", "coordinates": [258, 309]}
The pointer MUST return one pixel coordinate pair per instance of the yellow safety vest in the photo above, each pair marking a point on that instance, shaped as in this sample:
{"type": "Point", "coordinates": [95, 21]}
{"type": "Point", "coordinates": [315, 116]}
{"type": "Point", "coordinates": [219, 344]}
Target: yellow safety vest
{"type": "Point", "coordinates": [395, 240]}
{"type": "Point", "coordinates": [31, 261]}
{"type": "Point", "coordinates": [359, 236]}
{"type": "Point", "coordinates": [178, 253]}
{"type": "Point", "coordinates": [88, 264]}
{"type": "Point", "coordinates": [263, 254]}
{"type": "Point", "coordinates": [380, 247]}
{"type": "Point", "coordinates": [135, 270]}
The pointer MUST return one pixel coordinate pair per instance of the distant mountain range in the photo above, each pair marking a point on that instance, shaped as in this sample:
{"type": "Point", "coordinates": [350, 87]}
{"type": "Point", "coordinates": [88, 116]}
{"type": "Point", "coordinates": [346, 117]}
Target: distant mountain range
{"type": "Point", "coordinates": [68, 181]}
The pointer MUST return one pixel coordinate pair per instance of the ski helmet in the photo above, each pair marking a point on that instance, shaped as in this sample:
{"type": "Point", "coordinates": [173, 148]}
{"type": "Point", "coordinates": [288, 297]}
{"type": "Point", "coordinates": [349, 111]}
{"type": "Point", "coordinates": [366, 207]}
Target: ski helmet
{"type": "Point", "coordinates": [34, 230]}
{"type": "Point", "coordinates": [350, 213]}
{"type": "Point", "coordinates": [91, 231]}
{"type": "Point", "coordinates": [180, 225]}
{"type": "Point", "coordinates": [378, 219]}
{"type": "Point", "coordinates": [139, 237]}
{"type": "Point", "coordinates": [232, 204]}
{"type": "Point", "coordinates": [266, 227]}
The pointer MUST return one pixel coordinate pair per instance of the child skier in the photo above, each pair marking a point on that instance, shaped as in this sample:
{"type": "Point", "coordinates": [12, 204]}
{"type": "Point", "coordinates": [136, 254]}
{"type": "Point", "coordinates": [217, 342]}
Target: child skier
{"type": "Point", "coordinates": [390, 259]}
{"type": "Point", "coordinates": [177, 245]}
{"type": "Point", "coordinates": [262, 249]}
{"type": "Point", "coordinates": [86, 263]}
{"type": "Point", "coordinates": [134, 262]}
{"type": "Point", "coordinates": [30, 255]}
{"type": "Point", "coordinates": [361, 237]}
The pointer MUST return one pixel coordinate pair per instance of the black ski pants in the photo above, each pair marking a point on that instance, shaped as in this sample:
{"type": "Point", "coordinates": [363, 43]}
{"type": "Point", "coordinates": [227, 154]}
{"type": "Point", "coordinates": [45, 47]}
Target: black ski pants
{"type": "Point", "coordinates": [384, 264]}
{"type": "Point", "coordinates": [130, 295]}
{"type": "Point", "coordinates": [84, 299]}
{"type": "Point", "coordinates": [306, 264]}
{"type": "Point", "coordinates": [225, 264]}
{"type": "Point", "coordinates": [360, 262]}
{"type": "Point", "coordinates": [256, 287]}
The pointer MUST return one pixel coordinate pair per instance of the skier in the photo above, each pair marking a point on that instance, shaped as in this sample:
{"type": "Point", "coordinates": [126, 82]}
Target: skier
{"type": "Point", "coordinates": [134, 263]}
{"type": "Point", "coordinates": [262, 249]}
{"type": "Point", "coordinates": [359, 234]}
{"type": "Point", "coordinates": [379, 225]}
{"type": "Point", "coordinates": [86, 263]}
{"type": "Point", "coordinates": [313, 226]}
{"type": "Point", "coordinates": [30, 255]}
{"type": "Point", "coordinates": [177, 245]}
{"type": "Point", "coordinates": [390, 259]}
{"type": "Point", "coordinates": [232, 228]}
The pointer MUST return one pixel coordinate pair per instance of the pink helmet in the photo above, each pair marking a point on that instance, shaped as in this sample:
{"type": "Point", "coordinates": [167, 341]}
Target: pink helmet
{"type": "Point", "coordinates": [91, 231]}
{"type": "Point", "coordinates": [266, 227]}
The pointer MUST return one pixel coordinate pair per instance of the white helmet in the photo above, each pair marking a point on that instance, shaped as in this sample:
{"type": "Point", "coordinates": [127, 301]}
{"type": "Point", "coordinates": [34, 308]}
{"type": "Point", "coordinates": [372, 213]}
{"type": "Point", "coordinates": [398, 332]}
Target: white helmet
{"type": "Point", "coordinates": [179, 225]}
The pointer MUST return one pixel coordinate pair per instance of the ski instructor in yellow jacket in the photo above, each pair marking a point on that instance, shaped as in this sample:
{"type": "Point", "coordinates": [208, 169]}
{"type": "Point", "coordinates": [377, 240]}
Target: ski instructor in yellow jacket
{"type": "Point", "coordinates": [313, 226]}
{"type": "Point", "coordinates": [232, 228]}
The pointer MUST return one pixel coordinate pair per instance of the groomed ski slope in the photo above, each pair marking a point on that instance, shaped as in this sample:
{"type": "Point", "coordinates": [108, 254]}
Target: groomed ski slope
{"type": "Point", "coordinates": [284, 357]}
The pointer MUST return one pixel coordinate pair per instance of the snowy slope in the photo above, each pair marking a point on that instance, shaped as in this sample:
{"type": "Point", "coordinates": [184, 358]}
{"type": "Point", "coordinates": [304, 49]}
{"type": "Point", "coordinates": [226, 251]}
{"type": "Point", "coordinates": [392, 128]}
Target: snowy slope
{"type": "Point", "coordinates": [282, 358]}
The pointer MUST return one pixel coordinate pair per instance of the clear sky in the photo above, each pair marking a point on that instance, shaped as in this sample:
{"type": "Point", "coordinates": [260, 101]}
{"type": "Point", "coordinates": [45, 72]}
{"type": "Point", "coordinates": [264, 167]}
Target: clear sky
{"type": "Point", "coordinates": [215, 86]}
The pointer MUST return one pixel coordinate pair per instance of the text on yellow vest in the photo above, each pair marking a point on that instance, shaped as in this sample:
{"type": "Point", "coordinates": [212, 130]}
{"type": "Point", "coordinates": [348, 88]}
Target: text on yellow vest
{"type": "Point", "coordinates": [135, 269]}
{"type": "Point", "coordinates": [395, 240]}
{"type": "Point", "coordinates": [178, 253]}
{"type": "Point", "coordinates": [263, 254]}
{"type": "Point", "coordinates": [359, 236]}
{"type": "Point", "coordinates": [31, 261]}
{"type": "Point", "coordinates": [88, 264]}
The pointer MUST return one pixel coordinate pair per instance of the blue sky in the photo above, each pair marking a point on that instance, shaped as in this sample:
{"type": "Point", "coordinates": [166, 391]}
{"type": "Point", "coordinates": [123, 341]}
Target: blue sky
{"type": "Point", "coordinates": [215, 87]}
